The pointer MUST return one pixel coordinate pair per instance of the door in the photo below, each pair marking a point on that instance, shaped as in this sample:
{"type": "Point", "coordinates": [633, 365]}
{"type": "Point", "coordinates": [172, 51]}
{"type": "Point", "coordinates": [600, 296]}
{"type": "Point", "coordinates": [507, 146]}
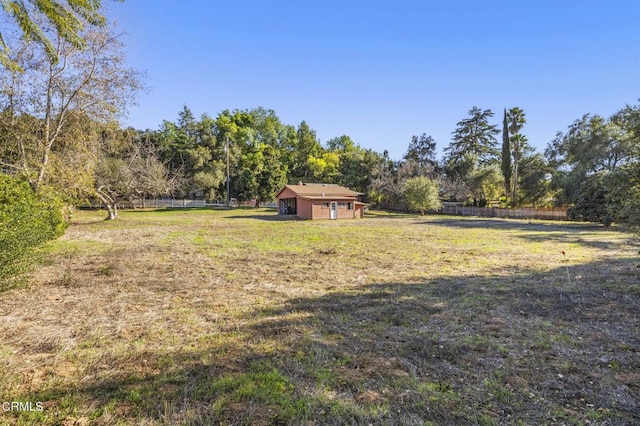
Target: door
{"type": "Point", "coordinates": [334, 210]}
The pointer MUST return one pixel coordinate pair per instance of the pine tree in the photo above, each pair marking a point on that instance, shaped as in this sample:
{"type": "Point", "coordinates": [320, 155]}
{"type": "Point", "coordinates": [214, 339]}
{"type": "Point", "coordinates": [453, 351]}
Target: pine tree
{"type": "Point", "coordinates": [475, 137]}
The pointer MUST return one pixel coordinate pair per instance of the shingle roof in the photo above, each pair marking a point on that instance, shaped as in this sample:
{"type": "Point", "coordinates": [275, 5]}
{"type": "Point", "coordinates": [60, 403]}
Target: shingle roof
{"type": "Point", "coordinates": [321, 190]}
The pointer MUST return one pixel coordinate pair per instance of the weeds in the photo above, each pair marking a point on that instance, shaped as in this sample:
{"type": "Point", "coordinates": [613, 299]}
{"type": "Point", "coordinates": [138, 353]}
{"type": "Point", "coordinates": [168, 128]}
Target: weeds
{"type": "Point", "coordinates": [219, 317]}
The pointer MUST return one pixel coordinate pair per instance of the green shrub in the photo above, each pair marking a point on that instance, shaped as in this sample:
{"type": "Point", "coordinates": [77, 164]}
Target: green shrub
{"type": "Point", "coordinates": [421, 194]}
{"type": "Point", "coordinates": [591, 201]}
{"type": "Point", "coordinates": [623, 185]}
{"type": "Point", "coordinates": [26, 221]}
{"type": "Point", "coordinates": [609, 196]}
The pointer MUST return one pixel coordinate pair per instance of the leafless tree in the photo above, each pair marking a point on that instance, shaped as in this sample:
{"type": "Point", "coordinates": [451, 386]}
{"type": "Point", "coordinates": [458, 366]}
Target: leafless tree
{"type": "Point", "coordinates": [134, 174]}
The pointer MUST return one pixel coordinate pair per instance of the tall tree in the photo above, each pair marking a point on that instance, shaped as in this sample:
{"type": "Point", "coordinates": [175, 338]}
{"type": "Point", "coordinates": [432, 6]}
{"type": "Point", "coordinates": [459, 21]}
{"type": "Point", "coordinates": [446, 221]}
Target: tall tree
{"type": "Point", "coordinates": [341, 144]}
{"type": "Point", "coordinates": [384, 187]}
{"type": "Point", "coordinates": [506, 155]}
{"type": "Point", "coordinates": [474, 136]}
{"type": "Point", "coordinates": [325, 167]}
{"type": "Point", "coordinates": [472, 149]}
{"type": "Point", "coordinates": [355, 164]}
{"type": "Point", "coordinates": [261, 175]}
{"type": "Point", "coordinates": [590, 145]}
{"type": "Point", "coordinates": [627, 125]}
{"type": "Point", "coordinates": [176, 139]}
{"type": "Point", "coordinates": [517, 119]}
{"type": "Point", "coordinates": [46, 21]}
{"type": "Point", "coordinates": [485, 184]}
{"type": "Point", "coordinates": [534, 181]}
{"type": "Point", "coordinates": [307, 147]}
{"type": "Point", "coordinates": [422, 150]}
{"type": "Point", "coordinates": [272, 176]}
{"type": "Point", "coordinates": [518, 142]}
{"type": "Point", "coordinates": [233, 130]}
{"type": "Point", "coordinates": [191, 147]}
{"type": "Point", "coordinates": [356, 168]}
{"type": "Point", "coordinates": [65, 99]}
{"type": "Point", "coordinates": [590, 201]}
{"type": "Point", "coordinates": [623, 188]}
{"type": "Point", "coordinates": [259, 151]}
{"type": "Point", "coordinates": [596, 166]}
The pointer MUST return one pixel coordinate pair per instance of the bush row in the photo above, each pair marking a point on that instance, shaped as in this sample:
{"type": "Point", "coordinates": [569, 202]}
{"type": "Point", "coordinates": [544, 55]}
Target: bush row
{"type": "Point", "coordinates": [27, 220]}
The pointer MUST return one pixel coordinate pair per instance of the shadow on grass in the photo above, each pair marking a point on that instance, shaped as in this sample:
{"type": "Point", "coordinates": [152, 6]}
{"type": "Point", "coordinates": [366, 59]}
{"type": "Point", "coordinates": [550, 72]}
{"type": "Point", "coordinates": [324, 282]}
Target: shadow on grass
{"type": "Point", "coordinates": [531, 348]}
{"type": "Point", "coordinates": [383, 214]}
{"type": "Point", "coordinates": [244, 212]}
{"type": "Point", "coordinates": [274, 217]}
{"type": "Point", "coordinates": [87, 222]}
{"type": "Point", "coordinates": [514, 224]}
{"type": "Point", "coordinates": [541, 230]}
{"type": "Point", "coordinates": [171, 209]}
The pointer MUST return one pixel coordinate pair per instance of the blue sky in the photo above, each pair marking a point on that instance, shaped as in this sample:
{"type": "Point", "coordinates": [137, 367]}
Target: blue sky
{"type": "Point", "coordinates": [382, 71]}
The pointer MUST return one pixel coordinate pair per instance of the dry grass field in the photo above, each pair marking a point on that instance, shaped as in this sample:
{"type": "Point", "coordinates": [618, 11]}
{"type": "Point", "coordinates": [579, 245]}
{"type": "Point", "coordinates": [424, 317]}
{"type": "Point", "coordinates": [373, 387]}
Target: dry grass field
{"type": "Point", "coordinates": [240, 317]}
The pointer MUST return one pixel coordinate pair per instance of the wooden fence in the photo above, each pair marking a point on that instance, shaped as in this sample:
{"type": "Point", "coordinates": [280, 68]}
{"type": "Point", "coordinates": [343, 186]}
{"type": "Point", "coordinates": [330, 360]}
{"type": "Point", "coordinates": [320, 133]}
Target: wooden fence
{"type": "Point", "coordinates": [521, 213]}
{"type": "Point", "coordinates": [559, 213]}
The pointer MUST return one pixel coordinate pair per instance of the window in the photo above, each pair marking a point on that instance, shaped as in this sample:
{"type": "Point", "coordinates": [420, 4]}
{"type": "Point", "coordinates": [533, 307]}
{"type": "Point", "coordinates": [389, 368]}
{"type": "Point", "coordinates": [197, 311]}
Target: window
{"type": "Point", "coordinates": [349, 206]}
{"type": "Point", "coordinates": [341, 204]}
{"type": "Point", "coordinates": [325, 205]}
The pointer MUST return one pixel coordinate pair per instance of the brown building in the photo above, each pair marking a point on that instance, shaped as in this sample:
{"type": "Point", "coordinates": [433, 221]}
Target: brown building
{"type": "Point", "coordinates": [319, 201]}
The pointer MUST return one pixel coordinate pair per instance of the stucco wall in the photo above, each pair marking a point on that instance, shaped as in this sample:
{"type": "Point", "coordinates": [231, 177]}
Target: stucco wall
{"type": "Point", "coordinates": [287, 193]}
{"type": "Point", "coordinates": [325, 213]}
{"type": "Point", "coordinates": [319, 212]}
{"type": "Point", "coordinates": [304, 209]}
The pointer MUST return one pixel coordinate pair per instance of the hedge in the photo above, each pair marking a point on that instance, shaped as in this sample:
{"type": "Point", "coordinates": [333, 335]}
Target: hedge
{"type": "Point", "coordinates": [27, 221]}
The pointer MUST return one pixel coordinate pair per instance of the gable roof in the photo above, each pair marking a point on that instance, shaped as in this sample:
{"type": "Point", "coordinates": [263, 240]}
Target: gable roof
{"type": "Point", "coordinates": [320, 190]}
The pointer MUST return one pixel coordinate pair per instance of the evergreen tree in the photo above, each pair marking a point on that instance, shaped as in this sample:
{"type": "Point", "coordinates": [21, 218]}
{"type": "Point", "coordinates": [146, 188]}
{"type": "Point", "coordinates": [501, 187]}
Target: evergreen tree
{"type": "Point", "coordinates": [534, 187]}
{"type": "Point", "coordinates": [506, 154]}
{"type": "Point", "coordinates": [261, 175]}
{"type": "Point", "coordinates": [474, 136]}
{"type": "Point", "coordinates": [472, 149]}
{"type": "Point", "coordinates": [307, 147]}
{"type": "Point", "coordinates": [422, 151]}
{"type": "Point", "coordinates": [519, 146]}
{"type": "Point", "coordinates": [191, 147]}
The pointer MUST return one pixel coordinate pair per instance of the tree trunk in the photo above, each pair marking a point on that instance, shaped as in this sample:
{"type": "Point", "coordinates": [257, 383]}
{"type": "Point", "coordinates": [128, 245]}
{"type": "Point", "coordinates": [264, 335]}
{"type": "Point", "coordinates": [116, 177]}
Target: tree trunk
{"type": "Point", "coordinates": [112, 210]}
{"type": "Point", "coordinates": [110, 202]}
{"type": "Point", "coordinates": [514, 186]}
